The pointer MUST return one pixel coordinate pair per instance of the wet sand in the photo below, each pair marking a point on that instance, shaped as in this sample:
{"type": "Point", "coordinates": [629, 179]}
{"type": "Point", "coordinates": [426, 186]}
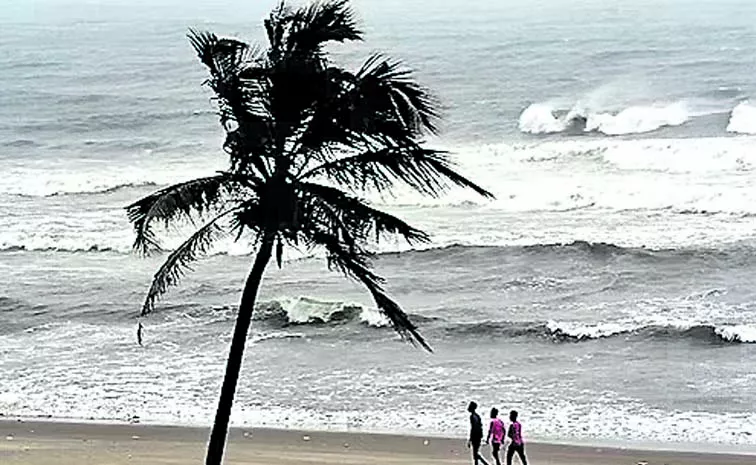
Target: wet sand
{"type": "Point", "coordinates": [43, 443]}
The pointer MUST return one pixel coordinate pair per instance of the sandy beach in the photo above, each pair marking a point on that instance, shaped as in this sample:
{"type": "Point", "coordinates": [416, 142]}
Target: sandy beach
{"type": "Point", "coordinates": [42, 443]}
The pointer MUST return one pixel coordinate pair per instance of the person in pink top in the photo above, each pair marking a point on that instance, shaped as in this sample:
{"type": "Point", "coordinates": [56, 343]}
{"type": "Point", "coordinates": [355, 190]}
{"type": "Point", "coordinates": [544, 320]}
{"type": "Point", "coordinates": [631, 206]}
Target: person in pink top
{"type": "Point", "coordinates": [517, 444]}
{"type": "Point", "coordinates": [495, 434]}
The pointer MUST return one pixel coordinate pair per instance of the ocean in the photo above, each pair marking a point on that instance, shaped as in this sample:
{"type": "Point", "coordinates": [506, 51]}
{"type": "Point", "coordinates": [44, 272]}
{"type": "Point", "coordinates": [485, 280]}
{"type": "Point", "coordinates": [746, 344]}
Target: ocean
{"type": "Point", "coordinates": [608, 293]}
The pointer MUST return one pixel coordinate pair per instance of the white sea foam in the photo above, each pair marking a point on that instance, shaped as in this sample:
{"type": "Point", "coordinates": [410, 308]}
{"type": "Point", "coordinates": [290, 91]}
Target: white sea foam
{"type": "Point", "coordinates": [638, 119]}
{"type": "Point", "coordinates": [173, 379]}
{"type": "Point", "coordinates": [609, 174]}
{"type": "Point", "coordinates": [587, 331]}
{"type": "Point", "coordinates": [539, 118]}
{"type": "Point", "coordinates": [276, 335]}
{"type": "Point", "coordinates": [743, 119]}
{"type": "Point", "coordinates": [737, 333]}
{"type": "Point", "coordinates": [685, 179]}
{"type": "Point", "coordinates": [97, 229]}
{"type": "Point", "coordinates": [654, 324]}
{"type": "Point", "coordinates": [624, 418]}
{"type": "Point", "coordinates": [542, 118]}
{"type": "Point", "coordinates": [59, 177]}
{"type": "Point", "coordinates": [372, 317]}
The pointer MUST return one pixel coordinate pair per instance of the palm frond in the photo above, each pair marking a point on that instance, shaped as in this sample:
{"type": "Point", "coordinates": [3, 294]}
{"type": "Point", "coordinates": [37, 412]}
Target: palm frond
{"type": "Point", "coordinates": [389, 84]}
{"type": "Point", "coordinates": [180, 260]}
{"type": "Point", "coordinates": [170, 203]}
{"type": "Point", "coordinates": [237, 73]}
{"type": "Point", "coordinates": [356, 264]}
{"type": "Point", "coordinates": [248, 216]}
{"type": "Point", "coordinates": [204, 43]}
{"type": "Point", "coordinates": [382, 105]}
{"type": "Point", "coordinates": [224, 57]}
{"type": "Point", "coordinates": [320, 22]}
{"type": "Point", "coordinates": [240, 79]}
{"type": "Point", "coordinates": [350, 216]}
{"type": "Point", "coordinates": [276, 26]}
{"type": "Point", "coordinates": [429, 172]}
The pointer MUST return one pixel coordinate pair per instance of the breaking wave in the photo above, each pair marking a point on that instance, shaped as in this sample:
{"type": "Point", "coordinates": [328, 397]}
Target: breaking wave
{"type": "Point", "coordinates": [292, 312]}
{"type": "Point", "coordinates": [450, 255]}
{"type": "Point", "coordinates": [467, 253]}
{"type": "Point", "coordinates": [578, 332]}
{"type": "Point", "coordinates": [309, 311]}
{"type": "Point", "coordinates": [85, 187]}
{"type": "Point", "coordinates": [105, 190]}
{"type": "Point", "coordinates": [540, 118]}
{"type": "Point", "coordinates": [78, 178]}
{"type": "Point", "coordinates": [95, 190]}
{"type": "Point", "coordinates": [743, 119]}
{"type": "Point", "coordinates": [276, 335]}
{"type": "Point", "coordinates": [56, 248]}
{"type": "Point", "coordinates": [306, 311]}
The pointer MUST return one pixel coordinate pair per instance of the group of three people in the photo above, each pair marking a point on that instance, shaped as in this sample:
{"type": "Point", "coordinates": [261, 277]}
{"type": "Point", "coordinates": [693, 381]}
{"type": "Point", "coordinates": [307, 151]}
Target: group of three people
{"type": "Point", "coordinates": [496, 436]}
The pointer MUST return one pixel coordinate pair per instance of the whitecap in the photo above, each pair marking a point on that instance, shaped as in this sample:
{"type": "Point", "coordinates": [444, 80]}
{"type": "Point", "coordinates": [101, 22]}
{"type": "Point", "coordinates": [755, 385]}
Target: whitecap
{"type": "Point", "coordinates": [743, 119]}
{"type": "Point", "coordinates": [588, 331]}
{"type": "Point", "coordinates": [638, 119]}
{"type": "Point", "coordinates": [737, 333]}
{"type": "Point", "coordinates": [539, 118]}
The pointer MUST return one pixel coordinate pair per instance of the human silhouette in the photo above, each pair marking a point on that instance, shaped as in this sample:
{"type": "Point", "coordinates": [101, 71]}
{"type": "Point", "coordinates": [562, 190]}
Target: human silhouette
{"type": "Point", "coordinates": [476, 434]}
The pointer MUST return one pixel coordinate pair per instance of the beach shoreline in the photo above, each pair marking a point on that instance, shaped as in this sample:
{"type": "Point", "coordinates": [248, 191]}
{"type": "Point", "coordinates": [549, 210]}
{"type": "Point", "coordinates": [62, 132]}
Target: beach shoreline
{"type": "Point", "coordinates": [590, 443]}
{"type": "Point", "coordinates": [33, 442]}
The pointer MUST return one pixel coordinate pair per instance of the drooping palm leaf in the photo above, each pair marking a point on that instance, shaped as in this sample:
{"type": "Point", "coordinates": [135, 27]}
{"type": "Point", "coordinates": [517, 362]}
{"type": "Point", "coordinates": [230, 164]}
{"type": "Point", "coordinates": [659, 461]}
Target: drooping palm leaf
{"type": "Point", "coordinates": [355, 217]}
{"type": "Point", "coordinates": [356, 264]}
{"type": "Point", "coordinates": [171, 203]}
{"type": "Point", "coordinates": [247, 217]}
{"type": "Point", "coordinates": [340, 224]}
{"type": "Point", "coordinates": [388, 83]}
{"type": "Point", "coordinates": [180, 260]}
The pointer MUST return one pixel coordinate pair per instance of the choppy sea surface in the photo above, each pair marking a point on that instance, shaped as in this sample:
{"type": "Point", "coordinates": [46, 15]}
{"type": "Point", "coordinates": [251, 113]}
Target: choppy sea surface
{"type": "Point", "coordinates": [608, 293]}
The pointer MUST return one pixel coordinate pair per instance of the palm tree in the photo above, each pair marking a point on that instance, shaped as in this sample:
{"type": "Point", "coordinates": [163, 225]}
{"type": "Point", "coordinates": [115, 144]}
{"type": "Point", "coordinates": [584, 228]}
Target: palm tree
{"type": "Point", "coordinates": [304, 138]}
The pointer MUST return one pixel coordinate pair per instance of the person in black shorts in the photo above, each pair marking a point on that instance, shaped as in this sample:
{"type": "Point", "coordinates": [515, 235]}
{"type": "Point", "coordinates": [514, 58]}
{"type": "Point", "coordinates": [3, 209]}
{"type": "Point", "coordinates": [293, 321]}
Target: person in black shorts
{"type": "Point", "coordinates": [476, 434]}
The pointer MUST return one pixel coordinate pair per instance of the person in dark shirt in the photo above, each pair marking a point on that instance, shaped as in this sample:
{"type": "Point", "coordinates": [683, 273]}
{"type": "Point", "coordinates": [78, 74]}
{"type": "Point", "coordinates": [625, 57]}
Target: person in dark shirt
{"type": "Point", "coordinates": [476, 434]}
{"type": "Point", "coordinates": [518, 444]}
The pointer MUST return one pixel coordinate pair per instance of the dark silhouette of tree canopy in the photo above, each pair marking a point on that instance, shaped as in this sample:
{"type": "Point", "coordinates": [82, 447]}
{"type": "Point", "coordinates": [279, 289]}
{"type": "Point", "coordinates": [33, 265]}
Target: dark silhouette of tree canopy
{"type": "Point", "coordinates": [304, 139]}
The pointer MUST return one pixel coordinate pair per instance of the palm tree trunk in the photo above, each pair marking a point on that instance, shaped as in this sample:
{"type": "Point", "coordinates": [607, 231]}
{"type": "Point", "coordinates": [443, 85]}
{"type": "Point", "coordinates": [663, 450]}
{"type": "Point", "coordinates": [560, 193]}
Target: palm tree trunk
{"type": "Point", "coordinates": [217, 442]}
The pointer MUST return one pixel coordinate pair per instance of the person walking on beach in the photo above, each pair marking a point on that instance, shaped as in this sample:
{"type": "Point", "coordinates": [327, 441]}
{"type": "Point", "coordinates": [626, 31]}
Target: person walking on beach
{"type": "Point", "coordinates": [476, 434]}
{"type": "Point", "coordinates": [495, 434]}
{"type": "Point", "coordinates": [517, 444]}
